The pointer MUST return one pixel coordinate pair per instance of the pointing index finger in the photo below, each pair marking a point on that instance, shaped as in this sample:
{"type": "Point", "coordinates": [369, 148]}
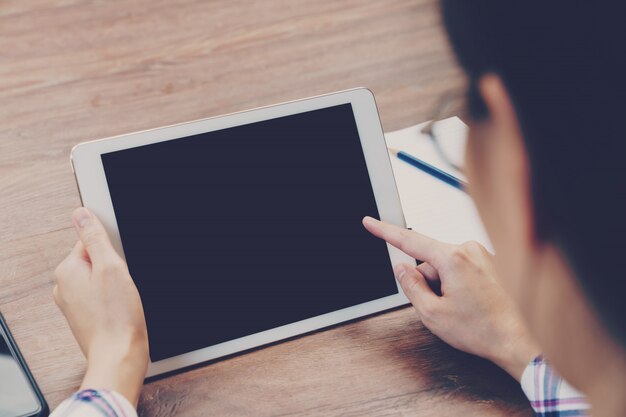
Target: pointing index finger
{"type": "Point", "coordinates": [412, 243]}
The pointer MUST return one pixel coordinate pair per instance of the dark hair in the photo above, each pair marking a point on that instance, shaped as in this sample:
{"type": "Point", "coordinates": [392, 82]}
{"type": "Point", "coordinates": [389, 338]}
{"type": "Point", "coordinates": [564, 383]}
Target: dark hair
{"type": "Point", "coordinates": [564, 66]}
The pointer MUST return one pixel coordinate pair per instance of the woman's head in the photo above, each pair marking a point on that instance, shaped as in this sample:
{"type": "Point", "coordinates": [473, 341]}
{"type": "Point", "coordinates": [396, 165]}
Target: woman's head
{"type": "Point", "coordinates": [547, 154]}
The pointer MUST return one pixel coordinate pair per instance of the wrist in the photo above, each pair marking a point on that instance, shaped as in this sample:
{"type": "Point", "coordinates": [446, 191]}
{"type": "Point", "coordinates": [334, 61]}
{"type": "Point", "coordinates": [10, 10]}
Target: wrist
{"type": "Point", "coordinates": [514, 357]}
{"type": "Point", "coordinates": [118, 366]}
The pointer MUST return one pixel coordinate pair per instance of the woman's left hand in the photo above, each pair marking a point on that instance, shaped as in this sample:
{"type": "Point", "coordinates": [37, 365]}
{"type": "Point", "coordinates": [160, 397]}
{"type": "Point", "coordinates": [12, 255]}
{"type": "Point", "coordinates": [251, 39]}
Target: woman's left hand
{"type": "Point", "coordinates": [100, 301]}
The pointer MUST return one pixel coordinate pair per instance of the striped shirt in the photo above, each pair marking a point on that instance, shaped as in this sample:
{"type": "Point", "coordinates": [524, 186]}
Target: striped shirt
{"type": "Point", "coordinates": [549, 396]}
{"type": "Point", "coordinates": [95, 403]}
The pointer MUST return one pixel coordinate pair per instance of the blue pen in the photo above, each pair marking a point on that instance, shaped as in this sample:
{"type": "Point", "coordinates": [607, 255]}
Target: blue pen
{"type": "Point", "coordinates": [429, 169]}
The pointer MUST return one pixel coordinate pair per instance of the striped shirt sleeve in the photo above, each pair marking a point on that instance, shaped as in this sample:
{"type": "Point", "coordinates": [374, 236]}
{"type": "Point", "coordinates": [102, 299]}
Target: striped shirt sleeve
{"type": "Point", "coordinates": [95, 403]}
{"type": "Point", "coordinates": [549, 394]}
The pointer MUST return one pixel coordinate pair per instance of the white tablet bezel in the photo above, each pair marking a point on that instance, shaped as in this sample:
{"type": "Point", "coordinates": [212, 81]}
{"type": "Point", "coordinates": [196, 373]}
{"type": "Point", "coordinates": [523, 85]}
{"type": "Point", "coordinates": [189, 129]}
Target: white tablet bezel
{"type": "Point", "coordinates": [92, 185]}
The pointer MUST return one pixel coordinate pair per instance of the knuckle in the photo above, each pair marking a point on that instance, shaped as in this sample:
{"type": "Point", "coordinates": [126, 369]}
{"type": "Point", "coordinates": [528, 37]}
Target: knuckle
{"type": "Point", "coordinates": [93, 236]}
{"type": "Point", "coordinates": [459, 255]}
{"type": "Point", "coordinates": [409, 285]}
{"type": "Point", "coordinates": [469, 256]}
{"type": "Point", "coordinates": [471, 245]}
{"type": "Point", "coordinates": [473, 248]}
{"type": "Point", "coordinates": [55, 295]}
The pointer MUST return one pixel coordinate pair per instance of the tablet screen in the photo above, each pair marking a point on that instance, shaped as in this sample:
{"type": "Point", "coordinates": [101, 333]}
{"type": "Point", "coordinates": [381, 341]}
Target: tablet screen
{"type": "Point", "coordinates": [240, 230]}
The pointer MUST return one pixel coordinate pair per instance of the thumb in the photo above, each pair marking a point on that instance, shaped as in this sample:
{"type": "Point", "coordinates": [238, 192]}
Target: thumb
{"type": "Point", "coordinates": [93, 235]}
{"type": "Point", "coordinates": [414, 285]}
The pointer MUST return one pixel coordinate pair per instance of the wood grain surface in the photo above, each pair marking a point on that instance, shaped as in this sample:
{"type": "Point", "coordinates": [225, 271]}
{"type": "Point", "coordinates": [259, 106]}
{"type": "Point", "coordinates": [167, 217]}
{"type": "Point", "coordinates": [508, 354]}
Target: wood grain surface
{"type": "Point", "coordinates": [73, 70]}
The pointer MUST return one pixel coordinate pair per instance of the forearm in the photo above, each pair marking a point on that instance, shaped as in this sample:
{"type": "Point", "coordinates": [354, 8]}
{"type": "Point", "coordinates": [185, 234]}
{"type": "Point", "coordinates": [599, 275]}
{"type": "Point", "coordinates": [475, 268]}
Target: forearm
{"type": "Point", "coordinates": [515, 353]}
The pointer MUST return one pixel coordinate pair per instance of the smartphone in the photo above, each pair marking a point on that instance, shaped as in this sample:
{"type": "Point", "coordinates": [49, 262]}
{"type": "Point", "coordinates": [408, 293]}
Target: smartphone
{"type": "Point", "coordinates": [19, 394]}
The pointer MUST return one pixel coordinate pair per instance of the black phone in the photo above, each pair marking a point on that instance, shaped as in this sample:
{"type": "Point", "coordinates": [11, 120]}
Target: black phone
{"type": "Point", "coordinates": [19, 394]}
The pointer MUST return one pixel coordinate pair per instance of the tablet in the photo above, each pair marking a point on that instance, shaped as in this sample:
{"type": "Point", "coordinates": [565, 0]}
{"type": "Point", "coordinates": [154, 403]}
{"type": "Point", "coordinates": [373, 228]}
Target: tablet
{"type": "Point", "coordinates": [245, 229]}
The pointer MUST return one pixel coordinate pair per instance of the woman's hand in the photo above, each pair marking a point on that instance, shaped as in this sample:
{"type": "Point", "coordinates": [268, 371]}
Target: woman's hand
{"type": "Point", "coordinates": [102, 306]}
{"type": "Point", "coordinates": [473, 313]}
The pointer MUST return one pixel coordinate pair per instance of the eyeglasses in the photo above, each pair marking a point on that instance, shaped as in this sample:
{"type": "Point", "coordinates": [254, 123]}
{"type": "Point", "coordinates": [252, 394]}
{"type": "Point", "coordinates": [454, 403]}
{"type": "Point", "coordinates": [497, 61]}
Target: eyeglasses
{"type": "Point", "coordinates": [450, 148]}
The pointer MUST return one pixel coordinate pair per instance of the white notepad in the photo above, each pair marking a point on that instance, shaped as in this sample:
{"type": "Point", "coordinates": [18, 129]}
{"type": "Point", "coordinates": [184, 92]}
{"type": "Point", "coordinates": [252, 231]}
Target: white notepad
{"type": "Point", "coordinates": [431, 206]}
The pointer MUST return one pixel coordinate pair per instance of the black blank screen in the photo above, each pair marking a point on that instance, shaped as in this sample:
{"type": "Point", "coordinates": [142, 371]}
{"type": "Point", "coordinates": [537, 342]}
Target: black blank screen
{"type": "Point", "coordinates": [236, 231]}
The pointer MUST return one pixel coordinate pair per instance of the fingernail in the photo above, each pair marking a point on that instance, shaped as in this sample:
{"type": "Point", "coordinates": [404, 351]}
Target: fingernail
{"type": "Point", "coordinates": [82, 217]}
{"type": "Point", "coordinates": [369, 220]}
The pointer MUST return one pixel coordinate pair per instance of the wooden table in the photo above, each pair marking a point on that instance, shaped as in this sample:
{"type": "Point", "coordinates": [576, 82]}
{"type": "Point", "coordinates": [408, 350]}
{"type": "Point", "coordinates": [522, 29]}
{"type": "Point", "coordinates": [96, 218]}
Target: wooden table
{"type": "Point", "coordinates": [73, 70]}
